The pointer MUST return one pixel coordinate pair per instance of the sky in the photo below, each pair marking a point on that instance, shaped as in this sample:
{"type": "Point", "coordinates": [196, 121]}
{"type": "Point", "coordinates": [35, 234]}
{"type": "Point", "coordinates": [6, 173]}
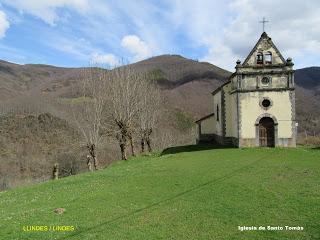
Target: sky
{"type": "Point", "coordinates": [75, 33]}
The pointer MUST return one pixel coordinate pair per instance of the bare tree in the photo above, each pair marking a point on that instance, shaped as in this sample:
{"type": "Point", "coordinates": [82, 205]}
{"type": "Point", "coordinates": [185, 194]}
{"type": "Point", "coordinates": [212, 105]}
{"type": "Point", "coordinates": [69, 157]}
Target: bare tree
{"type": "Point", "coordinates": [150, 109]}
{"type": "Point", "coordinates": [125, 87]}
{"type": "Point", "coordinates": [89, 111]}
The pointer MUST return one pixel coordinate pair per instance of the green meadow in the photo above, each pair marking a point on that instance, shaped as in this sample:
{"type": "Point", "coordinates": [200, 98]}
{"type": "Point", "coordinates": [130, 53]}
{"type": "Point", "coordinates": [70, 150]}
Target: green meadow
{"type": "Point", "coordinates": [186, 192]}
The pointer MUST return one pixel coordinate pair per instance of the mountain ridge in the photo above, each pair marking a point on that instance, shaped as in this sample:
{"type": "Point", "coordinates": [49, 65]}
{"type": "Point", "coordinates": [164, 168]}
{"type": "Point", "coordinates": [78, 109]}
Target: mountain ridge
{"type": "Point", "coordinates": [186, 84]}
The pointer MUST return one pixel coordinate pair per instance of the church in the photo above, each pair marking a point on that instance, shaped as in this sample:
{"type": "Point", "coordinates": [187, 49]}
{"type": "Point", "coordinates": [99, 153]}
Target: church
{"type": "Point", "coordinates": [256, 106]}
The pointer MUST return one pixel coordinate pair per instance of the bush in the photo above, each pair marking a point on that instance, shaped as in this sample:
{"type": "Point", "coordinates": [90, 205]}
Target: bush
{"type": "Point", "coordinates": [309, 141]}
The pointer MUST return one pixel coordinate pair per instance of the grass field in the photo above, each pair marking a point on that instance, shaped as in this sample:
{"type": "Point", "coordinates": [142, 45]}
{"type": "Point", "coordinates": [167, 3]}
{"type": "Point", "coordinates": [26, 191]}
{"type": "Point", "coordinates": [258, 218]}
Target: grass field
{"type": "Point", "coordinates": [183, 193]}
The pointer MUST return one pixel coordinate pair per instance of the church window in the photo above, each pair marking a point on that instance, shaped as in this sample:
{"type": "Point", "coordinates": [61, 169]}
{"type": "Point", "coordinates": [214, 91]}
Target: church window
{"type": "Point", "coordinates": [259, 58]}
{"type": "Point", "coordinates": [268, 58]}
{"type": "Point", "coordinates": [217, 112]}
{"type": "Point", "coordinates": [265, 80]}
{"type": "Point", "coordinates": [266, 103]}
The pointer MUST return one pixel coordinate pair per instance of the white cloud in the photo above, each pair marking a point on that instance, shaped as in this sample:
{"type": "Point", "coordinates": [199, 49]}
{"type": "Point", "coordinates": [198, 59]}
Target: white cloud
{"type": "Point", "coordinates": [293, 26]}
{"type": "Point", "coordinates": [79, 47]}
{"type": "Point", "coordinates": [229, 29]}
{"type": "Point", "coordinates": [108, 59]}
{"type": "Point", "coordinates": [210, 30]}
{"type": "Point", "coordinates": [222, 56]}
{"type": "Point", "coordinates": [4, 24]}
{"type": "Point", "coordinates": [200, 20]}
{"type": "Point", "coordinates": [82, 49]}
{"type": "Point", "coordinates": [136, 46]}
{"type": "Point", "coordinates": [47, 9]}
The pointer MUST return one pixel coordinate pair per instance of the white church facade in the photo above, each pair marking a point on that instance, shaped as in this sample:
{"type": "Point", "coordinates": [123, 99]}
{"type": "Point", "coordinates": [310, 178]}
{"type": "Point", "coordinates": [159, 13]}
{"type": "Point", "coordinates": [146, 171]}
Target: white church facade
{"type": "Point", "coordinates": [256, 106]}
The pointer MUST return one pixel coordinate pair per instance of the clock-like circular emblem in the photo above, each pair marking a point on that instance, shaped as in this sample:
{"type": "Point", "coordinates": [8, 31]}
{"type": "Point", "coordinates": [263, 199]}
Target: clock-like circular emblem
{"type": "Point", "coordinates": [265, 80]}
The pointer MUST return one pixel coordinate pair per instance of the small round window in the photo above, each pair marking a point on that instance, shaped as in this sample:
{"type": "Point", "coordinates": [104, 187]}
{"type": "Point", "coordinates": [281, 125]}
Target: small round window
{"type": "Point", "coordinates": [265, 80]}
{"type": "Point", "coordinates": [266, 103]}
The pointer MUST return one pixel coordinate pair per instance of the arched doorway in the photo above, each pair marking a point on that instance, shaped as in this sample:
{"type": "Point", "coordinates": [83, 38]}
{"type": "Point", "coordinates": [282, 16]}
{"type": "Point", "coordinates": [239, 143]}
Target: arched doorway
{"type": "Point", "coordinates": [266, 132]}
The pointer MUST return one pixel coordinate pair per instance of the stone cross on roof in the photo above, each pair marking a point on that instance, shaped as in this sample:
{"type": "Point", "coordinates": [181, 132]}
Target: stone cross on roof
{"type": "Point", "coordinates": [264, 21]}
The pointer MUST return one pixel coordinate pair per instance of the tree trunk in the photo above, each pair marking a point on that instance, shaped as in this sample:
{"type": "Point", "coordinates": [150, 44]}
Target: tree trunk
{"type": "Point", "coordinates": [131, 145]}
{"type": "Point", "coordinates": [92, 152]}
{"type": "Point", "coordinates": [148, 140]}
{"type": "Point", "coordinates": [142, 145]}
{"type": "Point", "coordinates": [89, 163]}
{"type": "Point", "coordinates": [95, 162]}
{"type": "Point", "coordinates": [149, 144]}
{"type": "Point", "coordinates": [123, 151]}
{"type": "Point", "coordinates": [56, 171]}
{"type": "Point", "coordinates": [122, 137]}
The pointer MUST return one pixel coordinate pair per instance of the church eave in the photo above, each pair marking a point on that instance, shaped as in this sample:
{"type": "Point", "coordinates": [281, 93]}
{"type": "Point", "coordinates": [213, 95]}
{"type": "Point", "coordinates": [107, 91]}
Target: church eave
{"type": "Point", "coordinates": [265, 72]}
{"type": "Point", "coordinates": [262, 90]}
{"type": "Point", "coordinates": [219, 88]}
{"type": "Point", "coordinates": [263, 66]}
{"type": "Point", "coordinates": [204, 118]}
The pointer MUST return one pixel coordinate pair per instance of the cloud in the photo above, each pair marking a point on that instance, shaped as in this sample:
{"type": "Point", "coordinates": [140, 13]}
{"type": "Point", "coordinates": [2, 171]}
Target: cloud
{"type": "Point", "coordinates": [47, 10]}
{"type": "Point", "coordinates": [82, 49]}
{"type": "Point", "coordinates": [210, 30]}
{"type": "Point", "coordinates": [136, 46]}
{"type": "Point", "coordinates": [293, 26]}
{"type": "Point", "coordinates": [222, 56]}
{"type": "Point", "coordinates": [4, 24]}
{"type": "Point", "coordinates": [78, 47]}
{"type": "Point", "coordinates": [108, 59]}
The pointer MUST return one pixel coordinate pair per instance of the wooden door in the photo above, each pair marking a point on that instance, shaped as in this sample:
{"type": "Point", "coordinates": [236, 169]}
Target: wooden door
{"type": "Point", "coordinates": [266, 132]}
{"type": "Point", "coordinates": [270, 136]}
{"type": "Point", "coordinates": [262, 136]}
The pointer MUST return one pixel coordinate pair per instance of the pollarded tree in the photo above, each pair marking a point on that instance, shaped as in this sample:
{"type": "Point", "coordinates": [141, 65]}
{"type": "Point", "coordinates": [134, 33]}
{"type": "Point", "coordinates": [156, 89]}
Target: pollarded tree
{"type": "Point", "coordinates": [125, 86]}
{"type": "Point", "coordinates": [89, 110]}
{"type": "Point", "coordinates": [150, 108]}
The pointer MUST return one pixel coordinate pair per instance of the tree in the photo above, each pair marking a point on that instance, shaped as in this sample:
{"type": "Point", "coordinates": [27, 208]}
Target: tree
{"type": "Point", "coordinates": [125, 86]}
{"type": "Point", "coordinates": [89, 110]}
{"type": "Point", "coordinates": [149, 112]}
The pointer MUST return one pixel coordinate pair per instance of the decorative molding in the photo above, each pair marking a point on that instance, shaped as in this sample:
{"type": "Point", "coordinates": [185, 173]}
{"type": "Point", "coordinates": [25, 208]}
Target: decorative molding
{"type": "Point", "coordinates": [266, 115]}
{"type": "Point", "coordinates": [262, 90]}
{"type": "Point", "coordinates": [266, 72]}
{"type": "Point", "coordinates": [268, 84]}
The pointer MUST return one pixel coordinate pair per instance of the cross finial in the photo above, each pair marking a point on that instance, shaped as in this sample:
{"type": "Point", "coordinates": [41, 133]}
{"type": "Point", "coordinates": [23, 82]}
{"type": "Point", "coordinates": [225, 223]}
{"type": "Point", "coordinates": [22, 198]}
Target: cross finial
{"type": "Point", "coordinates": [264, 21]}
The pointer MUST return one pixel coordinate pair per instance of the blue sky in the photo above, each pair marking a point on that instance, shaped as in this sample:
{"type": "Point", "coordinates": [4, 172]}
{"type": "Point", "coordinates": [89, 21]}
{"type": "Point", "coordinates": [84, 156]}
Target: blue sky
{"type": "Point", "coordinates": [73, 33]}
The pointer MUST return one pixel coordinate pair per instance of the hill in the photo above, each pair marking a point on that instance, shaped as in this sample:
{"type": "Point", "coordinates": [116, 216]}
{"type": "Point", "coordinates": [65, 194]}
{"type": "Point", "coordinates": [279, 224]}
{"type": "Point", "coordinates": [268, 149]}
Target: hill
{"type": "Point", "coordinates": [183, 193]}
{"type": "Point", "coordinates": [31, 144]}
{"type": "Point", "coordinates": [16, 80]}
{"type": "Point", "coordinates": [186, 83]}
{"type": "Point", "coordinates": [308, 78]}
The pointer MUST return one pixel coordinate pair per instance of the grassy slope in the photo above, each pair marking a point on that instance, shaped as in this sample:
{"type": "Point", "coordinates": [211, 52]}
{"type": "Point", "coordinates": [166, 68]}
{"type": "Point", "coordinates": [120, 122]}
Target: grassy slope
{"type": "Point", "coordinates": [187, 195]}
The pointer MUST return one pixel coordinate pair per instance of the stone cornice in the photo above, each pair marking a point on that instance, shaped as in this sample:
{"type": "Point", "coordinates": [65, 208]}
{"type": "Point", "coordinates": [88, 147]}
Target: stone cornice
{"type": "Point", "coordinates": [265, 72]}
{"type": "Point", "coordinates": [261, 90]}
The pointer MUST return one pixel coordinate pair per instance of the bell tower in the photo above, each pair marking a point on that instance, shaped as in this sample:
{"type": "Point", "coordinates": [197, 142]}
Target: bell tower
{"type": "Point", "coordinates": [263, 86]}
